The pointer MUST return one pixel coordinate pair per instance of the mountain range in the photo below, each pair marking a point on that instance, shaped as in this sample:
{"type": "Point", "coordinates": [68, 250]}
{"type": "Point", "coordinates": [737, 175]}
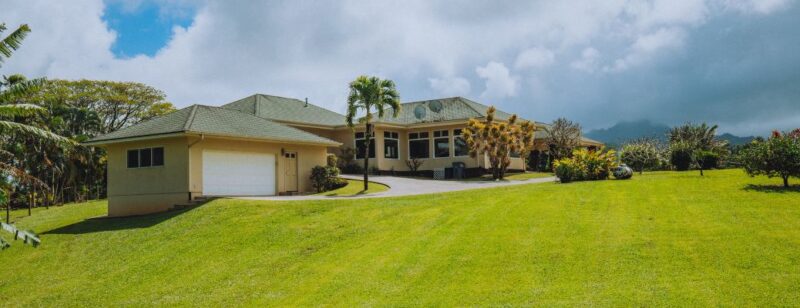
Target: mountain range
{"type": "Point", "coordinates": [625, 131]}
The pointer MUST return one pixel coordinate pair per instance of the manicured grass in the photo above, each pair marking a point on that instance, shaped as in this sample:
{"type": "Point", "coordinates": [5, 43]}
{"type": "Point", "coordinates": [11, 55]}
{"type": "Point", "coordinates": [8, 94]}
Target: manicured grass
{"type": "Point", "coordinates": [353, 188]}
{"type": "Point", "coordinates": [515, 176]}
{"type": "Point", "coordinates": [660, 239]}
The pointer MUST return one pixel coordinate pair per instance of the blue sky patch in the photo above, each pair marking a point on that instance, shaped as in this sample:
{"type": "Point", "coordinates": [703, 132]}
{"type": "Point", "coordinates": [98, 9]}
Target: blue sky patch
{"type": "Point", "coordinates": [143, 29]}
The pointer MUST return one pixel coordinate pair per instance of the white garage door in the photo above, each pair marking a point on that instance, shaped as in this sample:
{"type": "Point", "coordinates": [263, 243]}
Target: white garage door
{"type": "Point", "coordinates": [238, 173]}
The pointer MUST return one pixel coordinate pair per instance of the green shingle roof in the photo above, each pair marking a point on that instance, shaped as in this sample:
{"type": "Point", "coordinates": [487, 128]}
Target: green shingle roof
{"type": "Point", "coordinates": [214, 121]}
{"type": "Point", "coordinates": [286, 109]}
{"type": "Point", "coordinates": [440, 110]}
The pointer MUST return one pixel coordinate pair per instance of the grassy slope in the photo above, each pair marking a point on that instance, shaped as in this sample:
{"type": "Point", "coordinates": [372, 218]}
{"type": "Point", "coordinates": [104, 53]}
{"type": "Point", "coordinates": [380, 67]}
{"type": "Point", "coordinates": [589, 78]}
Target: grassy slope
{"type": "Point", "coordinates": [659, 239]}
{"type": "Point", "coordinates": [355, 187]}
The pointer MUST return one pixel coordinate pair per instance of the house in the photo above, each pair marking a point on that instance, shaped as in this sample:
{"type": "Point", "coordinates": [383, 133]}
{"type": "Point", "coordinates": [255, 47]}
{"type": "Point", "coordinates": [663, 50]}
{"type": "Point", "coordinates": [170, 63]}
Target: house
{"type": "Point", "coordinates": [267, 145]}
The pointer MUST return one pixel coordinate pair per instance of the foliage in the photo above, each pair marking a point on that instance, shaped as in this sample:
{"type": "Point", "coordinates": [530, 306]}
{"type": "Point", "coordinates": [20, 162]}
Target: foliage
{"type": "Point", "coordinates": [778, 156]}
{"type": "Point", "coordinates": [693, 141]}
{"type": "Point", "coordinates": [641, 154]}
{"type": "Point", "coordinates": [373, 96]}
{"type": "Point", "coordinates": [707, 159]}
{"type": "Point", "coordinates": [331, 160]}
{"type": "Point", "coordinates": [346, 156]}
{"type": "Point", "coordinates": [565, 136]}
{"type": "Point", "coordinates": [498, 140]}
{"type": "Point", "coordinates": [585, 165]}
{"type": "Point", "coordinates": [325, 178]}
{"type": "Point", "coordinates": [414, 164]}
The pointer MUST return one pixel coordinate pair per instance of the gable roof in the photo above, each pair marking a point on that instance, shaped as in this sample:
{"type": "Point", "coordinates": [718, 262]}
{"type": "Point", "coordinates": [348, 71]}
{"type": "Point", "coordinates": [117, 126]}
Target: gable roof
{"type": "Point", "coordinates": [286, 109]}
{"type": "Point", "coordinates": [440, 110]}
{"type": "Point", "coordinates": [216, 121]}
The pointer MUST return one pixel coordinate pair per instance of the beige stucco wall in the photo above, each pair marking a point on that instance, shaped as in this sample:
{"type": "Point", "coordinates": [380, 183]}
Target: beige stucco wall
{"type": "Point", "coordinates": [386, 164]}
{"type": "Point", "coordinates": [134, 191]}
{"type": "Point", "coordinates": [308, 156]}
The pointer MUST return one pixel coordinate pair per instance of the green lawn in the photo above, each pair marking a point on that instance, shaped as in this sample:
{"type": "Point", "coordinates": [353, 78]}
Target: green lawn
{"type": "Point", "coordinates": [353, 188]}
{"type": "Point", "coordinates": [660, 239]}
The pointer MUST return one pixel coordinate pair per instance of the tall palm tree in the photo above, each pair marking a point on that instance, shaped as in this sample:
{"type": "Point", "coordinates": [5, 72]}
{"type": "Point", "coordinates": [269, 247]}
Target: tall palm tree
{"type": "Point", "coordinates": [373, 96]}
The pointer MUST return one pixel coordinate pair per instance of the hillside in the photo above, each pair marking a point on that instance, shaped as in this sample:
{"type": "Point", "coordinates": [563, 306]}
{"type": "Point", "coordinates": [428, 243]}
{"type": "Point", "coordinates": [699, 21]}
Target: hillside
{"type": "Point", "coordinates": [660, 239]}
{"type": "Point", "coordinates": [625, 131]}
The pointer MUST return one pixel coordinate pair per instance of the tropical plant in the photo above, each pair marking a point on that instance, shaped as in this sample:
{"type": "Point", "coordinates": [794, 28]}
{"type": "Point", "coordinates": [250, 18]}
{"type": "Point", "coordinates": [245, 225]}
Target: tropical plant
{"type": "Point", "coordinates": [693, 141]}
{"type": "Point", "coordinates": [565, 136]}
{"type": "Point", "coordinates": [414, 163]}
{"type": "Point", "coordinates": [778, 156]}
{"type": "Point", "coordinates": [373, 96]}
{"type": "Point", "coordinates": [498, 140]}
{"type": "Point", "coordinates": [585, 165]}
{"type": "Point", "coordinates": [641, 154]}
{"type": "Point", "coordinates": [325, 178]}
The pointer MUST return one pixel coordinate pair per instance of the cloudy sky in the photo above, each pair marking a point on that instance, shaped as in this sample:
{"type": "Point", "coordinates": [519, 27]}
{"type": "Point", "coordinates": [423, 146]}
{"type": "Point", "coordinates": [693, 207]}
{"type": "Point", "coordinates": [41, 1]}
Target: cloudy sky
{"type": "Point", "coordinates": [735, 63]}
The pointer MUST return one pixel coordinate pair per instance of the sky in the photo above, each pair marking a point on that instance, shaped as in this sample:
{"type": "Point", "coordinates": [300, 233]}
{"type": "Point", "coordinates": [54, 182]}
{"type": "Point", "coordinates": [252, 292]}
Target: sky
{"type": "Point", "coordinates": [735, 63]}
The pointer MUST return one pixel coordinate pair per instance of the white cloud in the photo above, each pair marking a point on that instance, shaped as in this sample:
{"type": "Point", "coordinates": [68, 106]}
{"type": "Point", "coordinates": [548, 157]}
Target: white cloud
{"type": "Point", "coordinates": [535, 58]}
{"type": "Point", "coordinates": [499, 81]}
{"type": "Point", "coordinates": [588, 61]}
{"type": "Point", "coordinates": [757, 6]}
{"type": "Point", "coordinates": [649, 44]}
{"type": "Point", "coordinates": [450, 86]}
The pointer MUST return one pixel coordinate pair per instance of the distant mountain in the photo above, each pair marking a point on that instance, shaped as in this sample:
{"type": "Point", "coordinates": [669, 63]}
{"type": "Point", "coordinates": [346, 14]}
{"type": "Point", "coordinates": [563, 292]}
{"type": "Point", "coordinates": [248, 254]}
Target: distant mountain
{"type": "Point", "coordinates": [735, 140]}
{"type": "Point", "coordinates": [625, 131]}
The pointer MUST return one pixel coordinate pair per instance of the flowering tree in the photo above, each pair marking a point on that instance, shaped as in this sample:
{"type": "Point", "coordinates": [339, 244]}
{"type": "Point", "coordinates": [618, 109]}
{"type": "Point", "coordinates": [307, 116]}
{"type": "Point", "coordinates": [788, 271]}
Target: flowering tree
{"type": "Point", "coordinates": [778, 156]}
{"type": "Point", "coordinates": [498, 140]}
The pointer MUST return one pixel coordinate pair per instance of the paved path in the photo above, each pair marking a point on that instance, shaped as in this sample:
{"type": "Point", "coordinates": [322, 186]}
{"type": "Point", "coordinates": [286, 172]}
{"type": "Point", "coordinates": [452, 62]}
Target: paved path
{"type": "Point", "coordinates": [403, 186]}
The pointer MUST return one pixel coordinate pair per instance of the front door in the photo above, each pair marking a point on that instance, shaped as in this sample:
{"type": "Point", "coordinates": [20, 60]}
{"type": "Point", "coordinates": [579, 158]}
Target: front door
{"type": "Point", "coordinates": [290, 171]}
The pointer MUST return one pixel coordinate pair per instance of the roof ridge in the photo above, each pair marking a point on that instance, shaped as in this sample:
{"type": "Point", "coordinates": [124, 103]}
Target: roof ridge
{"type": "Point", "coordinates": [190, 120]}
{"type": "Point", "coordinates": [469, 104]}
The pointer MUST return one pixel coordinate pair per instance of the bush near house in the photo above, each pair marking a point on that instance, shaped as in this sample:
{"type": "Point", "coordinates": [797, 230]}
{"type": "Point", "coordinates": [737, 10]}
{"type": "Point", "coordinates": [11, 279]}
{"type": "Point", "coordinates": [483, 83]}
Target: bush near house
{"type": "Point", "coordinates": [326, 178]}
{"type": "Point", "coordinates": [585, 165]}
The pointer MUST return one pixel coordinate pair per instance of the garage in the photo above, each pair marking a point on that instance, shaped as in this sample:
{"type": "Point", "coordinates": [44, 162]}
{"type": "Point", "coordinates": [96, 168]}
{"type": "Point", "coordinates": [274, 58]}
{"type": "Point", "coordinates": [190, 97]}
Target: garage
{"type": "Point", "coordinates": [227, 173]}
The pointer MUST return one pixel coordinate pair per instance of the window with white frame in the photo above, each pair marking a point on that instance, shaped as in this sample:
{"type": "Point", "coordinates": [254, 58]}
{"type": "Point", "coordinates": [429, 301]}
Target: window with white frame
{"type": "Point", "coordinates": [441, 143]}
{"type": "Point", "coordinates": [361, 141]}
{"type": "Point", "coordinates": [418, 146]}
{"type": "Point", "coordinates": [459, 144]}
{"type": "Point", "coordinates": [391, 145]}
{"type": "Point", "coordinates": [146, 157]}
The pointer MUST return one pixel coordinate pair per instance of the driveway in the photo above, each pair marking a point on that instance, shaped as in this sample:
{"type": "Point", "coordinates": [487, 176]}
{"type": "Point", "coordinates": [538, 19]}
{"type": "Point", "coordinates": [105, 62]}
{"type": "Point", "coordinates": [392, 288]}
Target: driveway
{"type": "Point", "coordinates": [403, 186]}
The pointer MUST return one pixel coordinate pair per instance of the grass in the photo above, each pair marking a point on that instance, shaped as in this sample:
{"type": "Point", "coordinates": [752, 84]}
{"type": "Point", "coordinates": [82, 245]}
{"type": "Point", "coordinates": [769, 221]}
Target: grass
{"type": "Point", "coordinates": [354, 188]}
{"type": "Point", "coordinates": [514, 176]}
{"type": "Point", "coordinates": [660, 239]}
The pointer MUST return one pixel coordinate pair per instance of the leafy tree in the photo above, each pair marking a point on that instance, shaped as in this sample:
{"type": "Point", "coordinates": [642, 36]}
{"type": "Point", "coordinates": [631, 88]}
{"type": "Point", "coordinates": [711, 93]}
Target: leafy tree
{"type": "Point", "coordinates": [117, 104]}
{"type": "Point", "coordinates": [640, 154]}
{"type": "Point", "coordinates": [498, 140]}
{"type": "Point", "coordinates": [693, 142]}
{"type": "Point", "coordinates": [565, 136]}
{"type": "Point", "coordinates": [778, 156]}
{"type": "Point", "coordinates": [373, 96]}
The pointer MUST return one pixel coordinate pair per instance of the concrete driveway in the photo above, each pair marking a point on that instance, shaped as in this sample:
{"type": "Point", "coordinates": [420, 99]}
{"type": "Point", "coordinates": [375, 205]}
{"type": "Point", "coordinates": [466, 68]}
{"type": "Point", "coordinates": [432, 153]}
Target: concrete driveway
{"type": "Point", "coordinates": [403, 186]}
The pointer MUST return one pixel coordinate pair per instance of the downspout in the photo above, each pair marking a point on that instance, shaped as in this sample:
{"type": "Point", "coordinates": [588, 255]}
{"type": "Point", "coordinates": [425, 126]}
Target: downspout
{"type": "Point", "coordinates": [189, 167]}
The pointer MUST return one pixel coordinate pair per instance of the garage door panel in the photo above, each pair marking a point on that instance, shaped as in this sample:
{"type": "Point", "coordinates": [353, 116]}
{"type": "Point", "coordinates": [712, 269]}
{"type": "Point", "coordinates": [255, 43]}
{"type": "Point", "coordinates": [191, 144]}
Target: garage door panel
{"type": "Point", "coordinates": [227, 173]}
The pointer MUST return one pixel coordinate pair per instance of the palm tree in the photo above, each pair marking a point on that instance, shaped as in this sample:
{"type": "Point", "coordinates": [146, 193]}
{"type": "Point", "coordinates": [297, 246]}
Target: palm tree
{"type": "Point", "coordinates": [699, 139]}
{"type": "Point", "coordinates": [11, 88]}
{"type": "Point", "coordinates": [372, 95]}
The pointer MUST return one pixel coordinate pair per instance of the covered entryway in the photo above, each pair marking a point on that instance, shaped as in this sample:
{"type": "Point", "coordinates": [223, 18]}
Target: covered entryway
{"type": "Point", "coordinates": [227, 173]}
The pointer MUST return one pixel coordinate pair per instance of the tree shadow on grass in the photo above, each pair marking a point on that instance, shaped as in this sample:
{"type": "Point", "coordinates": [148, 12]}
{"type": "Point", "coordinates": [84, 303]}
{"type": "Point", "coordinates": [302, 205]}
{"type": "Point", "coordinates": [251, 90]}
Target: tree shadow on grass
{"type": "Point", "coordinates": [772, 188]}
{"type": "Point", "coordinates": [102, 224]}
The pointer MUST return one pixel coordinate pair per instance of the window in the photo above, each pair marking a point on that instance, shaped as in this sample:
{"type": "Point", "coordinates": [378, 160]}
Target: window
{"type": "Point", "coordinates": [418, 146]}
{"type": "Point", "coordinates": [441, 143]}
{"type": "Point", "coordinates": [391, 145]}
{"type": "Point", "coordinates": [360, 141]}
{"type": "Point", "coordinates": [146, 157]}
{"type": "Point", "coordinates": [459, 144]}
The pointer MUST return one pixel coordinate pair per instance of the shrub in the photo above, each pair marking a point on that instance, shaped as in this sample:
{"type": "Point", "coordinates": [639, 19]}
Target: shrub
{"type": "Point", "coordinates": [585, 165]}
{"type": "Point", "coordinates": [641, 154]}
{"type": "Point", "coordinates": [680, 155]}
{"type": "Point", "coordinates": [352, 168]}
{"type": "Point", "coordinates": [707, 159]}
{"type": "Point", "coordinates": [323, 178]}
{"type": "Point", "coordinates": [335, 183]}
{"type": "Point", "coordinates": [414, 164]}
{"type": "Point", "coordinates": [332, 160]}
